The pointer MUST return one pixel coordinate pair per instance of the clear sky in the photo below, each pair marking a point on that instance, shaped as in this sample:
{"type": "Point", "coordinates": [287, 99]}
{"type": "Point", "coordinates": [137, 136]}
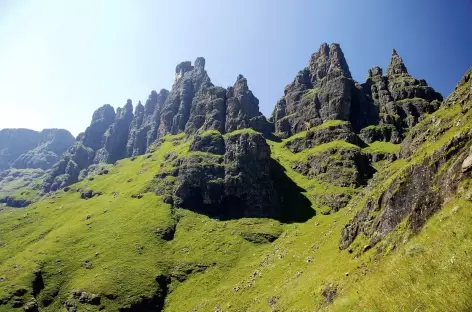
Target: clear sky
{"type": "Point", "coordinates": [60, 60]}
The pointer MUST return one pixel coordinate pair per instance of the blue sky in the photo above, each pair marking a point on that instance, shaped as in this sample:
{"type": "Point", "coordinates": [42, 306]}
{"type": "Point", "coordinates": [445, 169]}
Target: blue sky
{"type": "Point", "coordinates": [60, 60]}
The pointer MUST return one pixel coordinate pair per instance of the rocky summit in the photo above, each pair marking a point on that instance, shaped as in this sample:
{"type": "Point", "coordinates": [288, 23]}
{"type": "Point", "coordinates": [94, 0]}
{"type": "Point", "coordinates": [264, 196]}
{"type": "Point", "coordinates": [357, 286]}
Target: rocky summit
{"type": "Point", "coordinates": [352, 196]}
{"type": "Point", "coordinates": [194, 104]}
{"type": "Point", "coordinates": [384, 107]}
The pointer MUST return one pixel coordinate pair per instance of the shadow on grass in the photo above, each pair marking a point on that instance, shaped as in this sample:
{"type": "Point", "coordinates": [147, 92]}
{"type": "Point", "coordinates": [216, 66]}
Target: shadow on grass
{"type": "Point", "coordinates": [295, 206]}
{"type": "Point", "coordinates": [272, 137]}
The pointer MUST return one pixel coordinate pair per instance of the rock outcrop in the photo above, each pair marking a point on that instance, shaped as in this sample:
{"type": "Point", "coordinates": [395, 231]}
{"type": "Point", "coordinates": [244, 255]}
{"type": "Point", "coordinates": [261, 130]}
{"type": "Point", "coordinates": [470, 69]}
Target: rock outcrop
{"type": "Point", "coordinates": [67, 170]}
{"type": "Point", "coordinates": [401, 100]}
{"type": "Point", "coordinates": [102, 119]}
{"type": "Point", "coordinates": [430, 178]}
{"type": "Point", "coordinates": [382, 109]}
{"type": "Point", "coordinates": [145, 125]}
{"type": "Point", "coordinates": [229, 180]}
{"type": "Point", "coordinates": [325, 133]}
{"type": "Point", "coordinates": [24, 148]}
{"type": "Point", "coordinates": [325, 90]}
{"type": "Point", "coordinates": [322, 91]}
{"type": "Point", "coordinates": [82, 154]}
{"type": "Point", "coordinates": [194, 105]}
{"type": "Point", "coordinates": [339, 165]}
{"type": "Point", "coordinates": [115, 139]}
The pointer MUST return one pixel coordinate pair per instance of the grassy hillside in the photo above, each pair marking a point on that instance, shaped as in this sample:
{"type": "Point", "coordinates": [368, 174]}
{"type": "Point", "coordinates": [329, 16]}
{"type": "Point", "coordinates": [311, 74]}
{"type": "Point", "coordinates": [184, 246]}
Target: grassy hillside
{"type": "Point", "coordinates": [18, 186]}
{"type": "Point", "coordinates": [124, 248]}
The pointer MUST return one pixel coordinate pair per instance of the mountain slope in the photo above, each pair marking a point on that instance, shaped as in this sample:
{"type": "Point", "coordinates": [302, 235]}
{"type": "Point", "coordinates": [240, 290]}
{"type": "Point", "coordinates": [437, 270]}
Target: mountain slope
{"type": "Point", "coordinates": [323, 219]}
{"type": "Point", "coordinates": [25, 155]}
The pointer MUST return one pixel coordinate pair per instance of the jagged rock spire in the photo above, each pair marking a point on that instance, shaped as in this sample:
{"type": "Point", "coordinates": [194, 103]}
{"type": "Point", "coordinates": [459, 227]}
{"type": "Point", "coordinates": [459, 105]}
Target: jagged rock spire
{"type": "Point", "coordinates": [328, 61]}
{"type": "Point", "coordinates": [396, 67]}
{"type": "Point", "coordinates": [374, 72]}
{"type": "Point", "coordinates": [102, 119]}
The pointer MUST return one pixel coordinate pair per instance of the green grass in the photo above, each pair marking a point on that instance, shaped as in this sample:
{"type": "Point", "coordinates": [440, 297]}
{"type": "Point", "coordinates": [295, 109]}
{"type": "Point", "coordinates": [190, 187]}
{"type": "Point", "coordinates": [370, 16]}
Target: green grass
{"type": "Point", "coordinates": [382, 147]}
{"type": "Point", "coordinates": [324, 125]}
{"type": "Point", "coordinates": [240, 131]}
{"type": "Point", "coordinates": [228, 265]}
{"type": "Point", "coordinates": [412, 100]}
{"type": "Point", "coordinates": [21, 184]}
{"type": "Point", "coordinates": [308, 95]}
{"type": "Point", "coordinates": [337, 145]}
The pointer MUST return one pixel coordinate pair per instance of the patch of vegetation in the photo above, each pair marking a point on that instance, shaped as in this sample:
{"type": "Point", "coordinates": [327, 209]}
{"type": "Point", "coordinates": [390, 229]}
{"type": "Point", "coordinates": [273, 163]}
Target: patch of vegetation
{"type": "Point", "coordinates": [240, 131]}
{"type": "Point", "coordinates": [21, 184]}
{"type": "Point", "coordinates": [310, 94]}
{"type": "Point", "coordinates": [412, 100]}
{"type": "Point", "coordinates": [324, 125]}
{"type": "Point", "coordinates": [337, 145]}
{"type": "Point", "coordinates": [382, 147]}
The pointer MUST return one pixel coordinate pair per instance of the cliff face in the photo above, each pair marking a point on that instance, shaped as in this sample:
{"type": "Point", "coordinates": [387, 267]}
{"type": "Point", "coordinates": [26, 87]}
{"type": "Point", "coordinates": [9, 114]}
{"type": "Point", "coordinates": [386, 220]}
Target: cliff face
{"type": "Point", "coordinates": [400, 99]}
{"type": "Point", "coordinates": [383, 108]}
{"type": "Point", "coordinates": [193, 105]}
{"type": "Point", "coordinates": [325, 90]}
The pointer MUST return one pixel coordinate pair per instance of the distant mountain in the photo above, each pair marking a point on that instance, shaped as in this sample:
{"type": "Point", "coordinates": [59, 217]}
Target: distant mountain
{"type": "Point", "coordinates": [24, 148]}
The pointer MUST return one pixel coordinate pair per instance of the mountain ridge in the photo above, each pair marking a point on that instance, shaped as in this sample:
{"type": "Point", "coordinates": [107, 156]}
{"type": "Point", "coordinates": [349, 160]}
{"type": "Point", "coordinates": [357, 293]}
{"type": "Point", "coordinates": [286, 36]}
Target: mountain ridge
{"type": "Point", "coordinates": [328, 208]}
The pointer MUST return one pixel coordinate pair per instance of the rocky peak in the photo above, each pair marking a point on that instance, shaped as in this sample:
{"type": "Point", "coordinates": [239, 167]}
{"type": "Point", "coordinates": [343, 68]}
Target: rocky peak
{"type": "Point", "coordinates": [105, 114]}
{"type": "Point", "coordinates": [126, 111]}
{"type": "Point", "coordinates": [102, 119]}
{"type": "Point", "coordinates": [374, 72]}
{"type": "Point", "coordinates": [396, 67]}
{"type": "Point", "coordinates": [322, 91]}
{"type": "Point", "coordinates": [240, 86]}
{"type": "Point", "coordinates": [151, 102]}
{"type": "Point", "coordinates": [116, 136]}
{"type": "Point", "coordinates": [189, 81]}
{"type": "Point", "coordinates": [144, 127]}
{"type": "Point", "coordinates": [200, 63]}
{"type": "Point", "coordinates": [241, 106]}
{"type": "Point", "coordinates": [329, 60]}
{"type": "Point", "coordinates": [338, 61]}
{"type": "Point", "coordinates": [182, 68]}
{"type": "Point", "coordinates": [139, 108]}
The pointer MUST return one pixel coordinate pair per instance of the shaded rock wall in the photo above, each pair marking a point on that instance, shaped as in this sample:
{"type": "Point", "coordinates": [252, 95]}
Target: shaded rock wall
{"type": "Point", "coordinates": [227, 178]}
